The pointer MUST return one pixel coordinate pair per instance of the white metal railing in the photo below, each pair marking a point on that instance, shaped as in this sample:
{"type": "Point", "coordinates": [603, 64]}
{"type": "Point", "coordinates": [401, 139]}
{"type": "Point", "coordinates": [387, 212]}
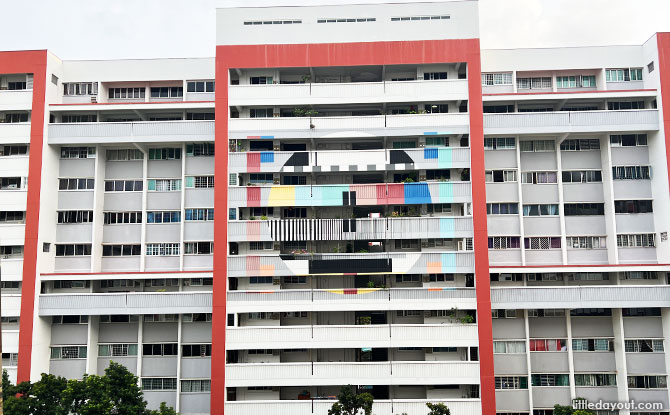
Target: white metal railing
{"type": "Point", "coordinates": [581, 296]}
{"type": "Point", "coordinates": [19, 131]}
{"type": "Point", "coordinates": [337, 296]}
{"type": "Point", "coordinates": [572, 119]}
{"type": "Point", "coordinates": [133, 129]}
{"type": "Point", "coordinates": [321, 407]}
{"type": "Point", "coordinates": [125, 303]}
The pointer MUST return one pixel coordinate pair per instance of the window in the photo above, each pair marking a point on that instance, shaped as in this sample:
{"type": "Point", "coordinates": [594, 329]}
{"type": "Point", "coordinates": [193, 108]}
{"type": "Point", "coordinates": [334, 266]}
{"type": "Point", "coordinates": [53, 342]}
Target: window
{"type": "Point", "coordinates": [67, 284]}
{"type": "Point", "coordinates": [511, 382]}
{"type": "Point", "coordinates": [11, 251]}
{"type": "Point", "coordinates": [641, 312]}
{"type": "Point", "coordinates": [121, 250]}
{"type": "Point", "coordinates": [259, 315]}
{"type": "Point", "coordinates": [648, 382]}
{"type": "Point", "coordinates": [75, 216]}
{"type": "Point", "coordinates": [117, 350]}
{"type": "Point", "coordinates": [440, 277]}
{"type": "Point", "coordinates": [504, 242]}
{"type": "Point", "coordinates": [547, 345]}
{"type": "Point", "coordinates": [164, 217]}
{"type": "Point", "coordinates": [164, 153]}
{"type": "Point", "coordinates": [260, 22]}
{"type": "Point", "coordinates": [80, 88]}
{"type": "Point", "coordinates": [586, 242]}
{"type": "Point", "coordinates": [583, 209]}
{"type": "Point", "coordinates": [197, 385]}
{"type": "Point", "coordinates": [537, 145]}
{"type": "Point", "coordinates": [625, 105]}
{"type": "Point", "coordinates": [540, 210]}
{"type": "Point", "coordinates": [544, 242]}
{"type": "Point", "coordinates": [550, 380]}
{"type": "Point", "coordinates": [126, 93]}
{"type": "Point", "coordinates": [16, 117]}
{"type": "Point", "coordinates": [167, 92]}
{"type": "Point", "coordinates": [443, 175]}
{"type": "Point", "coordinates": [198, 282]}
{"type": "Point", "coordinates": [502, 208]}
{"type": "Point", "coordinates": [159, 349]}
{"type": "Point", "coordinates": [595, 379]}
{"type": "Point", "coordinates": [260, 112]}
{"type": "Point", "coordinates": [628, 140]}
{"type": "Point", "coordinates": [77, 152]}
{"type": "Point", "coordinates": [69, 320]}
{"type": "Point", "coordinates": [68, 352]}
{"type": "Point", "coordinates": [73, 249]}
{"type": "Point", "coordinates": [500, 143]}
{"type": "Point", "coordinates": [409, 313]}
{"type": "Point", "coordinates": [261, 178]}
{"type": "Point", "coordinates": [119, 318]}
{"type": "Point", "coordinates": [418, 18]}
{"type": "Point", "coordinates": [584, 176]}
{"type": "Point", "coordinates": [640, 275]}
{"type": "Point", "coordinates": [631, 172]}
{"type": "Point", "coordinates": [643, 345]}
{"type": "Point", "coordinates": [14, 150]}
{"type": "Point", "coordinates": [76, 184]}
{"type": "Point", "coordinates": [501, 78]}
{"type": "Point", "coordinates": [510, 346]}
{"type": "Point", "coordinates": [200, 182]}
{"type": "Point", "coordinates": [161, 318]}
{"type": "Point", "coordinates": [580, 145]}
{"type": "Point", "coordinates": [199, 214]}
{"type": "Point", "coordinates": [623, 75]}
{"type": "Point", "coordinates": [433, 76]}
{"type": "Point", "coordinates": [500, 176]}
{"type": "Point", "coordinates": [124, 155]}
{"type": "Point", "coordinates": [261, 246]}
{"type": "Point", "coordinates": [163, 249]}
{"type": "Point", "coordinates": [10, 285]}
{"type": "Point", "coordinates": [539, 177]}
{"type": "Point", "coordinates": [436, 108]}
{"type": "Point", "coordinates": [503, 313]}
{"type": "Point", "coordinates": [200, 86]}
{"type": "Point", "coordinates": [12, 183]}
{"type": "Point", "coordinates": [294, 245]}
{"type": "Point", "coordinates": [438, 208]}
{"type": "Point", "coordinates": [408, 278]}
{"type": "Point", "coordinates": [79, 118]}
{"type": "Point", "coordinates": [498, 109]}
{"type": "Point", "coordinates": [645, 240]}
{"type": "Point", "coordinates": [406, 244]}
{"type": "Point", "coordinates": [292, 212]}
{"type": "Point", "coordinates": [123, 185]}
{"type": "Point", "coordinates": [505, 277]}
{"type": "Point", "coordinates": [196, 350]}
{"type": "Point", "coordinates": [10, 359]}
{"type": "Point", "coordinates": [260, 280]}
{"type": "Point", "coordinates": [633, 206]}
{"type": "Point", "coordinates": [260, 80]}
{"type": "Point", "coordinates": [200, 149]}
{"type": "Point", "coordinates": [347, 20]}
{"type": "Point", "coordinates": [17, 85]}
{"type": "Point", "coordinates": [593, 345]}
{"type": "Point", "coordinates": [159, 384]}
{"type": "Point", "coordinates": [110, 218]}
{"type": "Point", "coordinates": [533, 83]}
{"type": "Point", "coordinates": [164, 185]}
{"type": "Point", "coordinates": [198, 248]}
{"type": "Point", "coordinates": [294, 180]}
{"type": "Point", "coordinates": [591, 312]}
{"type": "Point", "coordinates": [576, 81]}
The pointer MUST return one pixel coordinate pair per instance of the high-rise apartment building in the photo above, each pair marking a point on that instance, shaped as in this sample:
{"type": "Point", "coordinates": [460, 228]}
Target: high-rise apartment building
{"type": "Point", "coordinates": [396, 210]}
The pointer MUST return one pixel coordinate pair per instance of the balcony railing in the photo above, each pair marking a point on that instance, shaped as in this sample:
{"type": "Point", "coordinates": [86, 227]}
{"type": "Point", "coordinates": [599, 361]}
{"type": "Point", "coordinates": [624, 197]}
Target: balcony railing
{"type": "Point", "coordinates": [348, 92]}
{"type": "Point", "coordinates": [350, 229]}
{"type": "Point", "coordinates": [405, 124]}
{"type": "Point", "coordinates": [571, 121]}
{"type": "Point", "coordinates": [580, 297]}
{"type": "Point", "coordinates": [15, 132]}
{"type": "Point", "coordinates": [125, 303]}
{"type": "Point", "coordinates": [343, 160]}
{"type": "Point", "coordinates": [361, 263]}
{"type": "Point", "coordinates": [321, 407]}
{"type": "Point", "coordinates": [129, 132]}
{"type": "Point", "coordinates": [351, 299]}
{"type": "Point", "coordinates": [377, 335]}
{"type": "Point", "coordinates": [353, 194]}
{"type": "Point", "coordinates": [21, 99]}
{"type": "Point", "coordinates": [11, 304]}
{"type": "Point", "coordinates": [352, 373]}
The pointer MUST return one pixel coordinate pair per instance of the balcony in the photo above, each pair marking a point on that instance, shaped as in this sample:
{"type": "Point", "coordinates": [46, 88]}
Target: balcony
{"type": "Point", "coordinates": [364, 194]}
{"type": "Point", "coordinates": [349, 160]}
{"type": "Point", "coordinates": [20, 99]}
{"type": "Point", "coordinates": [125, 303]}
{"type": "Point", "coordinates": [14, 199]}
{"type": "Point", "coordinates": [352, 373]}
{"type": "Point", "coordinates": [12, 269]}
{"type": "Point", "coordinates": [379, 335]}
{"type": "Point", "coordinates": [349, 126]}
{"type": "Point", "coordinates": [361, 229]}
{"type": "Point", "coordinates": [131, 132]}
{"type": "Point", "coordinates": [11, 304]}
{"type": "Point", "coordinates": [321, 407]}
{"type": "Point", "coordinates": [352, 299]}
{"type": "Point", "coordinates": [571, 122]}
{"type": "Point", "coordinates": [581, 297]}
{"type": "Point", "coordinates": [370, 263]}
{"type": "Point", "coordinates": [15, 133]}
{"type": "Point", "coordinates": [347, 93]}
{"type": "Point", "coordinates": [12, 234]}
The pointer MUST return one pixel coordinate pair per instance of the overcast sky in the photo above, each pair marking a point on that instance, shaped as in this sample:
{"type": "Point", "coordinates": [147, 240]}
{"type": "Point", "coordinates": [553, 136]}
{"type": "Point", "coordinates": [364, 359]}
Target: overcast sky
{"type": "Point", "coordinates": [96, 29]}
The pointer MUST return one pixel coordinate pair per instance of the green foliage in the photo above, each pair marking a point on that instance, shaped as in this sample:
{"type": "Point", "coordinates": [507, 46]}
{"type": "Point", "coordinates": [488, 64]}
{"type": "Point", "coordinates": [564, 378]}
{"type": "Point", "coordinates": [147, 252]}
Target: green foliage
{"type": "Point", "coordinates": [438, 409]}
{"type": "Point", "coordinates": [116, 392]}
{"type": "Point", "coordinates": [569, 409]}
{"type": "Point", "coordinates": [348, 403]}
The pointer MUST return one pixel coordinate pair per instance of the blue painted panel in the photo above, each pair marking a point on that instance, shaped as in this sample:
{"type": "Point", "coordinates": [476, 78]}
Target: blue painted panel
{"type": "Point", "coordinates": [430, 153]}
{"type": "Point", "coordinates": [447, 227]}
{"type": "Point", "coordinates": [448, 263]}
{"type": "Point", "coordinates": [267, 157]}
{"type": "Point", "coordinates": [417, 193]}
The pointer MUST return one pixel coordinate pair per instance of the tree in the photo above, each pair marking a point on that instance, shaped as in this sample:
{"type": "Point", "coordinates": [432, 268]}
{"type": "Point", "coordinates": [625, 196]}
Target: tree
{"type": "Point", "coordinates": [438, 409]}
{"type": "Point", "coordinates": [570, 409]}
{"type": "Point", "coordinates": [125, 394]}
{"type": "Point", "coordinates": [348, 403]}
{"type": "Point", "coordinates": [163, 410]}
{"type": "Point", "coordinates": [46, 396]}
{"type": "Point", "coordinates": [88, 396]}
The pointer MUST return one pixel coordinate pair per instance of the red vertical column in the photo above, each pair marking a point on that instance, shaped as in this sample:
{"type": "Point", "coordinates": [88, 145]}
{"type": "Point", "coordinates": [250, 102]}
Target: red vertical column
{"type": "Point", "coordinates": [482, 282]}
{"type": "Point", "coordinates": [219, 315]}
{"type": "Point", "coordinates": [663, 43]}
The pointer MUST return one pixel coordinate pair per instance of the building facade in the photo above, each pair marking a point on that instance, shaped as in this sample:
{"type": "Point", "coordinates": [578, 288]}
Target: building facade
{"type": "Point", "coordinates": [396, 209]}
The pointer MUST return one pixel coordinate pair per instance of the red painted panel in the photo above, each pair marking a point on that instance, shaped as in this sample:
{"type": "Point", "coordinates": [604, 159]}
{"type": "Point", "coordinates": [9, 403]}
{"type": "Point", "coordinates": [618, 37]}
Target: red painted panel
{"type": "Point", "coordinates": [253, 196]}
{"type": "Point", "coordinates": [396, 194]}
{"type": "Point", "coordinates": [34, 62]}
{"type": "Point", "coordinates": [663, 41]}
{"type": "Point", "coordinates": [253, 162]}
{"type": "Point", "coordinates": [381, 194]}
